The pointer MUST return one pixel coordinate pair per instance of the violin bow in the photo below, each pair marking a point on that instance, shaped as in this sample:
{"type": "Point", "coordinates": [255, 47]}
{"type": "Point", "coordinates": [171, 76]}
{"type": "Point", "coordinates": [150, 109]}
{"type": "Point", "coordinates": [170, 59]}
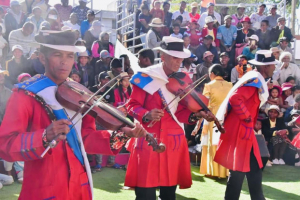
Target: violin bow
{"type": "Point", "coordinates": [53, 143]}
{"type": "Point", "coordinates": [195, 84]}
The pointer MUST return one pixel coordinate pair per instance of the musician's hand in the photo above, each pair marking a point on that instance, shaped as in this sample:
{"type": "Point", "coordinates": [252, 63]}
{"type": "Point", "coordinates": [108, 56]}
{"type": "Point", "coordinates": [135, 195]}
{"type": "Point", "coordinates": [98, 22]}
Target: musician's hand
{"type": "Point", "coordinates": [155, 115]}
{"type": "Point", "coordinates": [248, 120]}
{"type": "Point", "coordinates": [137, 132]}
{"type": "Point", "coordinates": [57, 127]}
{"type": "Point", "coordinates": [122, 109]}
{"type": "Point", "coordinates": [207, 115]}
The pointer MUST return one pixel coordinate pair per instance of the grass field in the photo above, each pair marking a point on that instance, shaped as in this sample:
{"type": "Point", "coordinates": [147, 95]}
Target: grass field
{"type": "Point", "coordinates": [279, 182]}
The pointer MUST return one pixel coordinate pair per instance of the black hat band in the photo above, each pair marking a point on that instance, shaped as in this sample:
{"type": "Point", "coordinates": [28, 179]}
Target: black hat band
{"type": "Point", "coordinates": [262, 58]}
{"type": "Point", "coordinates": [172, 46]}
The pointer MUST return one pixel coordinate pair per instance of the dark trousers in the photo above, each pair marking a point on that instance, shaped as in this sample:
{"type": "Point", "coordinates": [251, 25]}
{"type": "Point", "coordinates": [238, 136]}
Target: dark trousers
{"type": "Point", "coordinates": [254, 179]}
{"type": "Point", "coordinates": [165, 193]}
{"type": "Point", "coordinates": [231, 54]}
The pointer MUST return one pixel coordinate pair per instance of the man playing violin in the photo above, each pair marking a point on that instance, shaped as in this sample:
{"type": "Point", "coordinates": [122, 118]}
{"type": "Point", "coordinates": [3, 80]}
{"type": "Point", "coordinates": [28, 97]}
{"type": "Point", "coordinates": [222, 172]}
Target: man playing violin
{"type": "Point", "coordinates": [34, 117]}
{"type": "Point", "coordinates": [148, 170]}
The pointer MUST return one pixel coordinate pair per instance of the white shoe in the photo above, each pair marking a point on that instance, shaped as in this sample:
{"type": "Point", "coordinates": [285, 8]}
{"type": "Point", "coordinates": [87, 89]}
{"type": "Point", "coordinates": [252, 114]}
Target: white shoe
{"type": "Point", "coordinates": [6, 180]}
{"type": "Point", "coordinates": [297, 164]}
{"type": "Point", "coordinates": [269, 164]}
{"type": "Point", "coordinates": [281, 162]}
{"type": "Point", "coordinates": [1, 186]}
{"type": "Point", "coordinates": [275, 161]}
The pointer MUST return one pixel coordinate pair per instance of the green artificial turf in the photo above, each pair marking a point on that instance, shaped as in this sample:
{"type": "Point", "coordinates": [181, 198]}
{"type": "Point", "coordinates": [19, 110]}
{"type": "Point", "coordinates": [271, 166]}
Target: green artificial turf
{"type": "Point", "coordinates": [279, 182]}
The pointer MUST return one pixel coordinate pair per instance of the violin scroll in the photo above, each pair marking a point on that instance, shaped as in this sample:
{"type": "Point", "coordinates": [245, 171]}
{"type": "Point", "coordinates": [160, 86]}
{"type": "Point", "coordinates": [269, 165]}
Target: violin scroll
{"type": "Point", "coordinates": [159, 148]}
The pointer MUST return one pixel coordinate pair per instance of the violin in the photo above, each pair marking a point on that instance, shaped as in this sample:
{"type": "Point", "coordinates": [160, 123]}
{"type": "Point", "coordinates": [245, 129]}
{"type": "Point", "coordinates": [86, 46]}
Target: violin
{"type": "Point", "coordinates": [194, 101]}
{"type": "Point", "coordinates": [73, 95]}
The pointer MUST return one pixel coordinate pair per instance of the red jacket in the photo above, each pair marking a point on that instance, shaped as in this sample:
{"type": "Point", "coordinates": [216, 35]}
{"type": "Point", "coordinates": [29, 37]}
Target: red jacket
{"type": "Point", "coordinates": [235, 145]}
{"type": "Point", "coordinates": [59, 175]}
{"type": "Point", "coordinates": [147, 168]}
{"type": "Point", "coordinates": [205, 32]}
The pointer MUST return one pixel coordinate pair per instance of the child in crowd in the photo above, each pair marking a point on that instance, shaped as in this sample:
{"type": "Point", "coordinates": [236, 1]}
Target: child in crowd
{"type": "Point", "coordinates": [186, 41]}
{"type": "Point", "coordinates": [290, 100]}
{"type": "Point", "coordinates": [156, 12]}
{"type": "Point", "coordinates": [194, 34]}
{"type": "Point", "coordinates": [85, 69]}
{"type": "Point", "coordinates": [274, 98]}
{"type": "Point", "coordinates": [178, 20]}
{"type": "Point", "coordinates": [176, 31]}
{"type": "Point", "coordinates": [23, 77]}
{"type": "Point", "coordinates": [257, 131]}
{"type": "Point", "coordinates": [75, 75]}
{"type": "Point", "coordinates": [122, 92]}
{"type": "Point", "coordinates": [291, 80]}
{"type": "Point", "coordinates": [286, 91]}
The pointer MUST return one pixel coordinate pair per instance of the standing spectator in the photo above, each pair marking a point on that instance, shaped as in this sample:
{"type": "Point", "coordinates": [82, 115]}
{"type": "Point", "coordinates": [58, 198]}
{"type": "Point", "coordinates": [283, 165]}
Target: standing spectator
{"type": "Point", "coordinates": [85, 70]}
{"type": "Point", "coordinates": [26, 6]}
{"type": "Point", "coordinates": [250, 50]}
{"type": "Point", "coordinates": [43, 4]}
{"type": "Point", "coordinates": [17, 65]}
{"type": "Point", "coordinates": [283, 47]}
{"type": "Point", "coordinates": [53, 19]}
{"type": "Point", "coordinates": [86, 24]}
{"type": "Point", "coordinates": [207, 46]}
{"type": "Point", "coordinates": [194, 34]}
{"type": "Point", "coordinates": [256, 18]}
{"type": "Point", "coordinates": [176, 31]}
{"type": "Point", "coordinates": [168, 18]}
{"type": "Point", "coordinates": [181, 12]}
{"type": "Point", "coordinates": [14, 18]}
{"type": "Point", "coordinates": [287, 69]}
{"type": "Point", "coordinates": [227, 35]}
{"type": "Point", "coordinates": [202, 69]}
{"type": "Point", "coordinates": [272, 17]}
{"type": "Point", "coordinates": [102, 65]}
{"type": "Point", "coordinates": [146, 58]}
{"type": "Point", "coordinates": [210, 12]}
{"type": "Point", "coordinates": [243, 36]}
{"type": "Point", "coordinates": [92, 34]}
{"type": "Point", "coordinates": [64, 10]}
{"type": "Point", "coordinates": [72, 22]}
{"type": "Point", "coordinates": [144, 19]}
{"type": "Point", "coordinates": [36, 19]}
{"type": "Point", "coordinates": [224, 62]}
{"type": "Point", "coordinates": [223, 13]}
{"type": "Point", "coordinates": [240, 69]}
{"type": "Point", "coordinates": [156, 12]}
{"type": "Point", "coordinates": [280, 31]}
{"type": "Point", "coordinates": [122, 92]}
{"type": "Point", "coordinates": [103, 44]}
{"type": "Point", "coordinates": [24, 38]}
{"type": "Point", "coordinates": [194, 15]}
{"type": "Point", "coordinates": [115, 69]}
{"type": "Point", "coordinates": [4, 94]}
{"type": "Point", "coordinates": [204, 5]}
{"type": "Point", "coordinates": [264, 35]}
{"type": "Point", "coordinates": [209, 29]}
{"type": "Point", "coordinates": [189, 67]}
{"type": "Point", "coordinates": [153, 37]}
{"type": "Point", "coordinates": [81, 10]}
{"type": "Point", "coordinates": [239, 16]}
{"type": "Point", "coordinates": [125, 62]}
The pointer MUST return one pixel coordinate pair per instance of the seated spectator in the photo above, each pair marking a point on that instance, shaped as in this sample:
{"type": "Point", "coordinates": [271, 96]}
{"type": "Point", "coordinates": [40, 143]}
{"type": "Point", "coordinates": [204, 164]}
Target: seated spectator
{"type": "Point", "coordinates": [240, 69]}
{"type": "Point", "coordinates": [53, 19]}
{"type": "Point", "coordinates": [210, 12]}
{"type": "Point", "coordinates": [283, 47]}
{"type": "Point", "coordinates": [195, 35]}
{"type": "Point", "coordinates": [276, 53]}
{"type": "Point", "coordinates": [194, 15]}
{"type": "Point", "coordinates": [224, 62]}
{"type": "Point", "coordinates": [272, 17]}
{"type": "Point", "coordinates": [75, 75]}
{"type": "Point", "coordinates": [92, 34]}
{"type": "Point", "coordinates": [275, 133]}
{"type": "Point", "coordinates": [72, 22]}
{"type": "Point", "coordinates": [144, 19]}
{"type": "Point", "coordinates": [207, 46]}
{"type": "Point", "coordinates": [280, 31]}
{"type": "Point", "coordinates": [209, 29]}
{"type": "Point", "coordinates": [264, 37]}
{"type": "Point", "coordinates": [293, 124]}
{"type": "Point", "coordinates": [168, 18]}
{"type": "Point", "coordinates": [223, 13]}
{"type": "Point", "coordinates": [153, 37]}
{"type": "Point", "coordinates": [250, 50]}
{"type": "Point", "coordinates": [23, 77]}
{"type": "Point", "coordinates": [287, 69]}
{"type": "Point", "coordinates": [81, 10]}
{"type": "Point", "coordinates": [243, 36]}
{"type": "Point", "coordinates": [86, 24]}
{"type": "Point", "coordinates": [202, 69]}
{"type": "Point", "coordinates": [291, 80]}
{"type": "Point", "coordinates": [130, 73]}
{"type": "Point", "coordinates": [178, 20]}
{"type": "Point", "coordinates": [125, 62]}
{"type": "Point", "coordinates": [5, 93]}
{"type": "Point", "coordinates": [274, 99]}
{"type": "Point", "coordinates": [17, 65]}
{"type": "Point", "coordinates": [36, 19]}
{"type": "Point", "coordinates": [103, 78]}
{"type": "Point", "coordinates": [103, 64]}
{"type": "Point", "coordinates": [122, 92]}
{"type": "Point", "coordinates": [156, 11]}
{"type": "Point", "coordinates": [189, 67]}
{"type": "Point", "coordinates": [3, 43]}
{"type": "Point", "coordinates": [85, 69]}
{"type": "Point", "coordinates": [2, 14]}
{"type": "Point", "coordinates": [176, 33]}
{"type": "Point", "coordinates": [181, 12]}
{"type": "Point", "coordinates": [239, 16]}
{"type": "Point", "coordinates": [43, 4]}
{"type": "Point", "coordinates": [64, 10]}
{"type": "Point", "coordinates": [146, 58]}
{"type": "Point", "coordinates": [286, 92]}
{"type": "Point", "coordinates": [186, 41]}
{"type": "Point", "coordinates": [227, 35]}
{"type": "Point", "coordinates": [24, 38]}
{"type": "Point", "coordinates": [45, 26]}
{"type": "Point", "coordinates": [103, 44]}
{"type": "Point", "coordinates": [14, 18]}
{"type": "Point", "coordinates": [7, 179]}
{"type": "Point", "coordinates": [115, 69]}
{"type": "Point", "coordinates": [256, 18]}
{"type": "Point", "coordinates": [290, 100]}
{"type": "Point", "coordinates": [26, 6]}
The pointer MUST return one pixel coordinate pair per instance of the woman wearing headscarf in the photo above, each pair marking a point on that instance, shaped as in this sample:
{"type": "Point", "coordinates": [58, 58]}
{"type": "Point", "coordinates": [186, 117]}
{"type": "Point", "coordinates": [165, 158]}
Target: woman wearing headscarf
{"type": "Point", "coordinates": [54, 20]}
{"type": "Point", "coordinates": [92, 34]}
{"type": "Point", "coordinates": [102, 44]}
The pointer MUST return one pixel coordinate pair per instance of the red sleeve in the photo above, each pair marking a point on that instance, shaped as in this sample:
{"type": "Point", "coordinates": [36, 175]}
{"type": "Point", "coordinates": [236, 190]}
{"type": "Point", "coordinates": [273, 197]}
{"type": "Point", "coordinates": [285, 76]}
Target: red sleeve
{"type": "Point", "coordinates": [217, 41]}
{"type": "Point", "coordinates": [183, 114]}
{"type": "Point", "coordinates": [17, 144]}
{"type": "Point", "coordinates": [136, 102]}
{"type": "Point", "coordinates": [117, 97]}
{"type": "Point", "coordinates": [203, 34]}
{"type": "Point", "coordinates": [163, 15]}
{"type": "Point", "coordinates": [238, 98]}
{"type": "Point", "coordinates": [95, 142]}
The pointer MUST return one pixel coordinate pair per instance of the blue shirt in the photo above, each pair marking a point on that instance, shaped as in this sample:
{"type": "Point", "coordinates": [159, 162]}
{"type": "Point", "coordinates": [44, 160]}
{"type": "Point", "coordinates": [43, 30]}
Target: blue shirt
{"type": "Point", "coordinates": [81, 13]}
{"type": "Point", "coordinates": [250, 55]}
{"type": "Point", "coordinates": [227, 35]}
{"type": "Point", "coordinates": [85, 25]}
